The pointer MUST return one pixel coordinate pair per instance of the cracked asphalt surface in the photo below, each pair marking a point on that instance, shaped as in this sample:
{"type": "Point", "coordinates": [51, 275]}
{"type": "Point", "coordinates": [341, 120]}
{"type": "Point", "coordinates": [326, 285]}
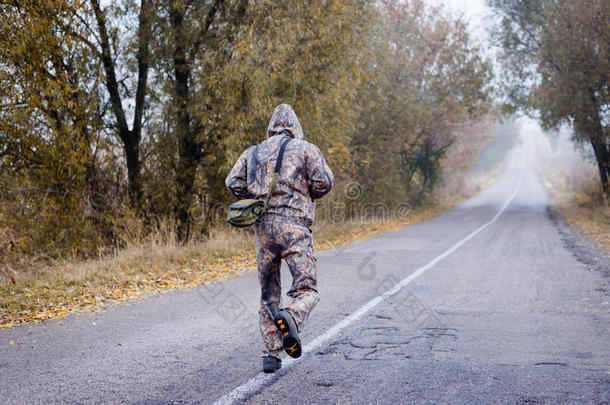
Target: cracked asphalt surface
{"type": "Point", "coordinates": [517, 315]}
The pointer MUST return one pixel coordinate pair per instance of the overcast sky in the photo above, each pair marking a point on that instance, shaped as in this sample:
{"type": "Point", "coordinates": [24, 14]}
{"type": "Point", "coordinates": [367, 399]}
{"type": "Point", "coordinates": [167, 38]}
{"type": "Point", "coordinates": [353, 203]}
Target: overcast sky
{"type": "Point", "coordinates": [475, 12]}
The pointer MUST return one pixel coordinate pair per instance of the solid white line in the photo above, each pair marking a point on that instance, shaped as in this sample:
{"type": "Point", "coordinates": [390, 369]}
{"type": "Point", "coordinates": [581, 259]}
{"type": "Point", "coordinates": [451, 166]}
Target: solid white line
{"type": "Point", "coordinates": [260, 380]}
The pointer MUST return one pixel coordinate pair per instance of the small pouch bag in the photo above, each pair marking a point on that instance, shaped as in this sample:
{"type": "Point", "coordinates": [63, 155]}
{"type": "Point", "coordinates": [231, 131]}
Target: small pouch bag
{"type": "Point", "coordinates": [244, 213]}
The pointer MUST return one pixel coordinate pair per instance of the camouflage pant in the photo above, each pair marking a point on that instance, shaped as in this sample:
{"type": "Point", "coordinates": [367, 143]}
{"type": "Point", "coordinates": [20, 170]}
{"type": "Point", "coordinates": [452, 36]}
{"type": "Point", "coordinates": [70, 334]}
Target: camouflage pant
{"type": "Point", "coordinates": [277, 239]}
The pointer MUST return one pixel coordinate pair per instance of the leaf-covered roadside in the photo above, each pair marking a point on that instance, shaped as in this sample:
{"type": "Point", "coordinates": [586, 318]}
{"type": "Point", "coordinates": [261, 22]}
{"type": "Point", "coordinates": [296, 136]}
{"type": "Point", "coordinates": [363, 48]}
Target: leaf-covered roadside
{"type": "Point", "coordinates": [589, 214]}
{"type": "Point", "coordinates": [141, 271]}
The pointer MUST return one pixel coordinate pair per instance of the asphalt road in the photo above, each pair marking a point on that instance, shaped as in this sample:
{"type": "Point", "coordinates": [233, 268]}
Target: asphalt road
{"type": "Point", "coordinates": [496, 302]}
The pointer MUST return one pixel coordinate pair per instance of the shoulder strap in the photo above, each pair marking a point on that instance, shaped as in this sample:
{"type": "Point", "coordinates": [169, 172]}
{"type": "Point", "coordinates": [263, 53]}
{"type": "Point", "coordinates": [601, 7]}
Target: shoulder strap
{"type": "Point", "coordinates": [280, 156]}
{"type": "Point", "coordinates": [276, 172]}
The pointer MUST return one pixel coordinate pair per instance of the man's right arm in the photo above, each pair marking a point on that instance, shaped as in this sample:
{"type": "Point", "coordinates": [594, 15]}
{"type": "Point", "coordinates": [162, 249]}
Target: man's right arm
{"type": "Point", "coordinates": [237, 180]}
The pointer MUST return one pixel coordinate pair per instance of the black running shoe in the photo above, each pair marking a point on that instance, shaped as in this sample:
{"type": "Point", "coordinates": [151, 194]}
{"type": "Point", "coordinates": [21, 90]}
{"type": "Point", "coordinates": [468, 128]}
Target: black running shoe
{"type": "Point", "coordinates": [271, 364]}
{"type": "Point", "coordinates": [290, 337]}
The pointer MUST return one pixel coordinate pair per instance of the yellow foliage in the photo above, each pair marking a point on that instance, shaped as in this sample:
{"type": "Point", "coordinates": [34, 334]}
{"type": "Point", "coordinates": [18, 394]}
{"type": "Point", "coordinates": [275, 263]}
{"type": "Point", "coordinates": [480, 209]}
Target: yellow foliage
{"type": "Point", "coordinates": [381, 87]}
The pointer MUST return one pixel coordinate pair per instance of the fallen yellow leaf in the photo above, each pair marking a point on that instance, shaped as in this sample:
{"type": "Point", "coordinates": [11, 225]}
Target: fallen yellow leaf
{"type": "Point", "coordinates": [11, 342]}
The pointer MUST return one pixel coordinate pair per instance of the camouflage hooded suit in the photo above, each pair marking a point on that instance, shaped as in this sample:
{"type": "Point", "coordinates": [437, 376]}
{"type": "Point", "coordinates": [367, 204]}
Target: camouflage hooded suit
{"type": "Point", "coordinates": [284, 230]}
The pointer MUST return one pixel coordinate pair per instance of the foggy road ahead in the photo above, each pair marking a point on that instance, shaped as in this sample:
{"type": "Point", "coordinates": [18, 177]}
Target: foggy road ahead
{"type": "Point", "coordinates": [487, 303]}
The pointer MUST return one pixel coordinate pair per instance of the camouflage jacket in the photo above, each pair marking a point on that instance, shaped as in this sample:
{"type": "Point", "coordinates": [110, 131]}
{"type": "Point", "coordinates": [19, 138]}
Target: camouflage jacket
{"type": "Point", "coordinates": [304, 175]}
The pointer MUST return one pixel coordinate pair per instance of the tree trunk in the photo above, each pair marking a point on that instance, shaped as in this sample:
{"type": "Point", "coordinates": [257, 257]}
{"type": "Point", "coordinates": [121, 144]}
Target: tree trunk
{"type": "Point", "coordinates": [189, 149]}
{"type": "Point", "coordinates": [132, 156]}
{"type": "Point", "coordinates": [130, 137]}
{"type": "Point", "coordinates": [592, 127]}
{"type": "Point", "coordinates": [602, 156]}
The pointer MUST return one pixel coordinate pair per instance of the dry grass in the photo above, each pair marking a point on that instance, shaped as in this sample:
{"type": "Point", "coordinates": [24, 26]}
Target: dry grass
{"type": "Point", "coordinates": [159, 263]}
{"type": "Point", "coordinates": [576, 192]}
{"type": "Point", "coordinates": [587, 211]}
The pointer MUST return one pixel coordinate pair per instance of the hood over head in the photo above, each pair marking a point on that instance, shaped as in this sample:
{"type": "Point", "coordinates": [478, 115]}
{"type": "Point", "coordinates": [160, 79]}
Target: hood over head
{"type": "Point", "coordinates": [282, 117]}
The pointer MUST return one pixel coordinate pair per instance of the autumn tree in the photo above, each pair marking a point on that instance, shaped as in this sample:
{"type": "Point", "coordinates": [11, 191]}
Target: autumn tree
{"type": "Point", "coordinates": [429, 81]}
{"type": "Point", "coordinates": [556, 55]}
{"type": "Point", "coordinates": [108, 44]}
{"type": "Point", "coordinates": [116, 116]}
{"type": "Point", "coordinates": [48, 128]}
{"type": "Point", "coordinates": [226, 75]}
{"type": "Point", "coordinates": [196, 32]}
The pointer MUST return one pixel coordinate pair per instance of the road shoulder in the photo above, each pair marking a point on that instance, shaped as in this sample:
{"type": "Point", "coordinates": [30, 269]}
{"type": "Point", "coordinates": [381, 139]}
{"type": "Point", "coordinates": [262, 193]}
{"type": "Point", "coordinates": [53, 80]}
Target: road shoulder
{"type": "Point", "coordinates": [594, 257]}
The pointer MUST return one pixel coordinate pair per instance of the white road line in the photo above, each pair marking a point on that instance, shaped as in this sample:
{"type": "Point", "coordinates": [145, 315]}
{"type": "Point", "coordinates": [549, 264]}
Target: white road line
{"type": "Point", "coordinates": [260, 380]}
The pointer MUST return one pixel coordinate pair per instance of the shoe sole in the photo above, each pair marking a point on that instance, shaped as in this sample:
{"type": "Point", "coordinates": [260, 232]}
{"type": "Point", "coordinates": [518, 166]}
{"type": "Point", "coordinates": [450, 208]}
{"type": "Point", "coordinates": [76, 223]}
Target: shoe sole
{"type": "Point", "coordinates": [292, 345]}
{"type": "Point", "coordinates": [272, 370]}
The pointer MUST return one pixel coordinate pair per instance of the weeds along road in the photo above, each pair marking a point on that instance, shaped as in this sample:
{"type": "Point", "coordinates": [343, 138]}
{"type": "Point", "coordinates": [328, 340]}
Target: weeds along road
{"type": "Point", "coordinates": [488, 303]}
